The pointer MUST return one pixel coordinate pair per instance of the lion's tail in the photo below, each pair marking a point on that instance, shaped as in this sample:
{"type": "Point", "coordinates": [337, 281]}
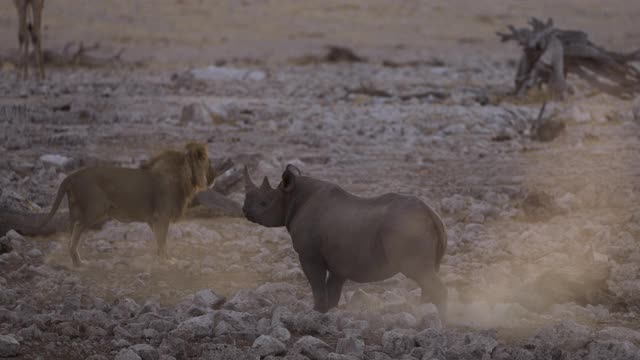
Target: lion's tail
{"type": "Point", "coordinates": [62, 191]}
{"type": "Point", "coordinates": [441, 246]}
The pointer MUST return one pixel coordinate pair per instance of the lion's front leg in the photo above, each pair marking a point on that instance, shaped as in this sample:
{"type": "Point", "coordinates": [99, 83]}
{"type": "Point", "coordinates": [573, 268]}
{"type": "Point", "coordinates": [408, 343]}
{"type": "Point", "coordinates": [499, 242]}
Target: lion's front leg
{"type": "Point", "coordinates": [160, 229]}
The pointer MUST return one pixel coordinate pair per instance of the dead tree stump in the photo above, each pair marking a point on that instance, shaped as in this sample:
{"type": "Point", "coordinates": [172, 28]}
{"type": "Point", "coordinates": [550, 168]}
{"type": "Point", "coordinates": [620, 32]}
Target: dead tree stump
{"type": "Point", "coordinates": [550, 54]}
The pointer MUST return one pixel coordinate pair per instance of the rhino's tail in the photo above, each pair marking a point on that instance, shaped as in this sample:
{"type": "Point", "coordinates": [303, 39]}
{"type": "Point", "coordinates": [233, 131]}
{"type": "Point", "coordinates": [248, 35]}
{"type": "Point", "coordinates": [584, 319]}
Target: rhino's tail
{"type": "Point", "coordinates": [441, 246]}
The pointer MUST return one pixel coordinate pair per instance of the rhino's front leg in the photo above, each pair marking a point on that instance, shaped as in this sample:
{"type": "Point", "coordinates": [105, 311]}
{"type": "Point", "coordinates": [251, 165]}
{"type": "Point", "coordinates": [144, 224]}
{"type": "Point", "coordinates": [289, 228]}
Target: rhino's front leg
{"type": "Point", "coordinates": [316, 273]}
{"type": "Point", "coordinates": [334, 289]}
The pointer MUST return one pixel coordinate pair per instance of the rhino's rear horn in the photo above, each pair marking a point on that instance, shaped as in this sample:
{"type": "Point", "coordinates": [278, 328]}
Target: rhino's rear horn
{"type": "Point", "coordinates": [248, 184]}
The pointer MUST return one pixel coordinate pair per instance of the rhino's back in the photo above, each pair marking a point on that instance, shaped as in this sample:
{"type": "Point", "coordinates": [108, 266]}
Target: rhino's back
{"type": "Point", "coordinates": [341, 222]}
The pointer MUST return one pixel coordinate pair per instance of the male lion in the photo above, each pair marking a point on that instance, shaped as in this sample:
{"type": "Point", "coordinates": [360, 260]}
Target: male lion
{"type": "Point", "coordinates": [156, 193]}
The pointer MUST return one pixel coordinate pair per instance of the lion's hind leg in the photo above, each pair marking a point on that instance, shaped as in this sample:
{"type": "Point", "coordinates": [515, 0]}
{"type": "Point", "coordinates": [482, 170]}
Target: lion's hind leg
{"type": "Point", "coordinates": [74, 242]}
{"type": "Point", "coordinates": [88, 206]}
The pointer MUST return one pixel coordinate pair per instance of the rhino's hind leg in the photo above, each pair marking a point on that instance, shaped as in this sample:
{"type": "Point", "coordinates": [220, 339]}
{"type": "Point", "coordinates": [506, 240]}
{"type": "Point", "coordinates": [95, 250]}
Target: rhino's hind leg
{"type": "Point", "coordinates": [316, 274]}
{"type": "Point", "coordinates": [334, 289]}
{"type": "Point", "coordinates": [433, 291]}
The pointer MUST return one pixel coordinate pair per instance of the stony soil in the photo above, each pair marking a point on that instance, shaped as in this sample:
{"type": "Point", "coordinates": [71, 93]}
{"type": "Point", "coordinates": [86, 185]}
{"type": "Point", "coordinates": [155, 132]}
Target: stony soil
{"type": "Point", "coordinates": [543, 259]}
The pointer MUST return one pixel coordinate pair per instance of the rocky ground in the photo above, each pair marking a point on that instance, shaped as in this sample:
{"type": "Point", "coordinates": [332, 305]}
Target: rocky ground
{"type": "Point", "coordinates": [543, 259]}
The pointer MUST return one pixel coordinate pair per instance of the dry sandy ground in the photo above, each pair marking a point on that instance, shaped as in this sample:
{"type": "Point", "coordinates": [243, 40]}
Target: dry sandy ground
{"type": "Point", "coordinates": [502, 266]}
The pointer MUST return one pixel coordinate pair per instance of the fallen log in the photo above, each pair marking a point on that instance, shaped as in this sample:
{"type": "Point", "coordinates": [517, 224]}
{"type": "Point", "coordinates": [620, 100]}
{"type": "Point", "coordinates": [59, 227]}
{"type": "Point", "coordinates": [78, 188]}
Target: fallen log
{"type": "Point", "coordinates": [214, 204]}
{"type": "Point", "coordinates": [27, 223]}
{"type": "Point", "coordinates": [74, 54]}
{"type": "Point", "coordinates": [342, 54]}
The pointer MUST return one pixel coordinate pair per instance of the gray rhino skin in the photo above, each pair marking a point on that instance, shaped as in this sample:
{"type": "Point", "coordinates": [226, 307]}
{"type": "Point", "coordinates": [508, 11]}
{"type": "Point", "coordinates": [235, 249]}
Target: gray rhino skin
{"type": "Point", "coordinates": [351, 237]}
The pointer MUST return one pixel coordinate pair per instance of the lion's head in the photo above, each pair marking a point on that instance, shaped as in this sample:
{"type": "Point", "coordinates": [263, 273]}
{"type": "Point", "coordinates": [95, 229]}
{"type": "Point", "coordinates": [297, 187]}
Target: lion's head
{"type": "Point", "coordinates": [201, 171]}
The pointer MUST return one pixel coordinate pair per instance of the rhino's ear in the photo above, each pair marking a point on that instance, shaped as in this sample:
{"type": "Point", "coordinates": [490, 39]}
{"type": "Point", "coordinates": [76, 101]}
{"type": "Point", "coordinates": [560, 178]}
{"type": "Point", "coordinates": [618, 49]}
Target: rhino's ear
{"type": "Point", "coordinates": [289, 178]}
{"type": "Point", "coordinates": [293, 169]}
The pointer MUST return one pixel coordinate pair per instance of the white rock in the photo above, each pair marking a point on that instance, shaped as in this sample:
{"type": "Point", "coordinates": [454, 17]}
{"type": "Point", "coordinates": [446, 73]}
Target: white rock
{"type": "Point", "coordinates": [350, 345]}
{"type": "Point", "coordinates": [234, 322]}
{"type": "Point", "coordinates": [226, 352]}
{"type": "Point", "coordinates": [207, 298]}
{"type": "Point", "coordinates": [264, 326]}
{"type": "Point", "coordinates": [578, 114]}
{"type": "Point", "coordinates": [97, 357]}
{"type": "Point", "coordinates": [566, 335]}
{"type": "Point", "coordinates": [377, 355]}
{"type": "Point", "coordinates": [55, 160]}
{"type": "Point", "coordinates": [397, 342]}
{"type": "Point", "coordinates": [149, 333]}
{"type": "Point", "coordinates": [619, 333]}
{"type": "Point", "coordinates": [428, 316]}
{"type": "Point", "coordinates": [629, 289]}
{"type": "Point", "coordinates": [30, 333]}
{"type": "Point", "coordinates": [362, 301]}
{"type": "Point", "coordinates": [34, 253]}
{"type": "Point", "coordinates": [454, 129]}
{"type": "Point", "coordinates": [9, 346]}
{"type": "Point", "coordinates": [125, 309]}
{"type": "Point", "coordinates": [217, 112]}
{"type": "Point", "coordinates": [439, 70]}
{"type": "Point", "coordinates": [612, 350]}
{"type": "Point", "coordinates": [161, 325]}
{"type": "Point", "coordinates": [278, 293]}
{"type": "Point", "coordinates": [266, 345]}
{"type": "Point", "coordinates": [478, 212]}
{"type": "Point", "coordinates": [127, 354]}
{"type": "Point", "coordinates": [453, 204]}
{"type": "Point", "coordinates": [195, 113]}
{"type": "Point", "coordinates": [311, 323]}
{"type": "Point", "coordinates": [433, 342]}
{"type": "Point", "coordinates": [568, 202]}
{"type": "Point", "coordinates": [625, 272]}
{"type": "Point", "coordinates": [213, 73]}
{"type": "Point", "coordinates": [472, 345]}
{"type": "Point", "coordinates": [281, 333]}
{"type": "Point", "coordinates": [173, 346]}
{"type": "Point", "coordinates": [150, 306]}
{"type": "Point", "coordinates": [223, 328]}
{"type": "Point", "coordinates": [94, 317]}
{"type": "Point", "coordinates": [15, 238]}
{"type": "Point", "coordinates": [278, 314]}
{"type": "Point", "coordinates": [356, 328]}
{"type": "Point", "coordinates": [96, 331]}
{"type": "Point", "coordinates": [311, 347]}
{"type": "Point", "coordinates": [336, 356]}
{"type": "Point", "coordinates": [402, 320]}
{"type": "Point", "coordinates": [196, 327]}
{"type": "Point", "coordinates": [146, 351]}
{"type": "Point", "coordinates": [120, 332]}
{"type": "Point", "coordinates": [246, 300]}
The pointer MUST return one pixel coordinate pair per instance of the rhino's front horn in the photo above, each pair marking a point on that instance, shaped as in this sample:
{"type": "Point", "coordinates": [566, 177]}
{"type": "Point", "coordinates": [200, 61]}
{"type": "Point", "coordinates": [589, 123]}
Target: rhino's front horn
{"type": "Point", "coordinates": [248, 184]}
{"type": "Point", "coordinates": [265, 184]}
